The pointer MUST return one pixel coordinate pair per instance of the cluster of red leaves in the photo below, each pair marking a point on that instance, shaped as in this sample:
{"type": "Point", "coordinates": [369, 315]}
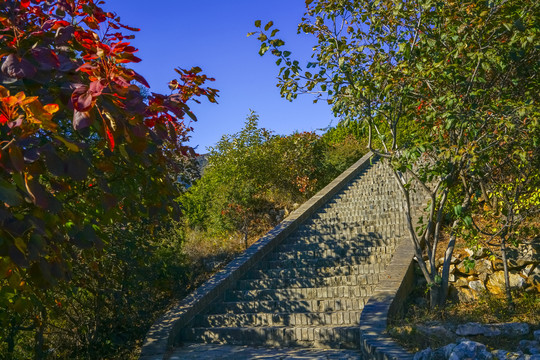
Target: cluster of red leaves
{"type": "Point", "coordinates": [72, 56]}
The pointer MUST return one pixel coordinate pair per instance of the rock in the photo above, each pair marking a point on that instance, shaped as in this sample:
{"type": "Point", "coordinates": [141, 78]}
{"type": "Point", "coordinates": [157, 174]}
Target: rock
{"type": "Point", "coordinates": [496, 283]}
{"type": "Point", "coordinates": [477, 285]}
{"type": "Point", "coordinates": [461, 281]}
{"type": "Point", "coordinates": [536, 334]}
{"type": "Point", "coordinates": [470, 350]}
{"type": "Point", "coordinates": [447, 350]}
{"type": "Point", "coordinates": [466, 295]}
{"type": "Point", "coordinates": [483, 277]}
{"type": "Point", "coordinates": [435, 330]}
{"type": "Point", "coordinates": [471, 328]}
{"type": "Point", "coordinates": [530, 346]}
{"type": "Point", "coordinates": [513, 329]}
{"type": "Point", "coordinates": [483, 266]}
{"type": "Point", "coordinates": [423, 354]}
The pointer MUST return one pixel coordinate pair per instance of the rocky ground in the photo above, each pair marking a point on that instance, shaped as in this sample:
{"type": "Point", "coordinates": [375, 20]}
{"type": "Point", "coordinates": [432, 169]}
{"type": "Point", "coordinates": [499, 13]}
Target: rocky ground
{"type": "Point", "coordinates": [465, 348]}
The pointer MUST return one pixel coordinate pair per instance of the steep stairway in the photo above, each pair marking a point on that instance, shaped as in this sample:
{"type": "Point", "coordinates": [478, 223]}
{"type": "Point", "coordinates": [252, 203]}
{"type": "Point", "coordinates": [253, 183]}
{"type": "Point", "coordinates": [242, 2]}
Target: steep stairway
{"type": "Point", "coordinates": [310, 291]}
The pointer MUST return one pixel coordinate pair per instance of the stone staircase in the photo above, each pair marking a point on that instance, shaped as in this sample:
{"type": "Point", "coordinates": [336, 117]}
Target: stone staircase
{"type": "Point", "coordinates": [311, 289]}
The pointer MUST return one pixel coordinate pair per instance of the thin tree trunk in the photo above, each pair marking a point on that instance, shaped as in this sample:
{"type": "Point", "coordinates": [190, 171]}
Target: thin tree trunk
{"type": "Point", "coordinates": [506, 275]}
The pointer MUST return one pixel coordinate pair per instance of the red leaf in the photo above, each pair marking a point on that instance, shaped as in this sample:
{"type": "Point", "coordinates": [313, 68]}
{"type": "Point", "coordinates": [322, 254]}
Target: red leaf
{"type": "Point", "coordinates": [129, 27]}
{"type": "Point", "coordinates": [110, 137]}
{"type": "Point", "coordinates": [25, 3]}
{"type": "Point", "coordinates": [96, 87]}
{"type": "Point", "coordinates": [139, 78]}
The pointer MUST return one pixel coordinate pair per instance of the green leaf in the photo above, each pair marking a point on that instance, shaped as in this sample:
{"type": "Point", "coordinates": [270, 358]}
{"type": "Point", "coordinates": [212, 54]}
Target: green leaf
{"type": "Point", "coordinates": [257, 23]}
{"type": "Point", "coordinates": [9, 194]}
{"type": "Point", "coordinates": [458, 209]}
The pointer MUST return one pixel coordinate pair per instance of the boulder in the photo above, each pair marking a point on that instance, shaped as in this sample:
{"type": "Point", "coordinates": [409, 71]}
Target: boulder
{"type": "Point", "coordinates": [470, 350]}
{"type": "Point", "coordinates": [513, 329]}
{"type": "Point", "coordinates": [447, 350]}
{"type": "Point", "coordinates": [483, 266]}
{"type": "Point", "coordinates": [461, 281]}
{"type": "Point", "coordinates": [536, 334]}
{"type": "Point", "coordinates": [483, 277]}
{"type": "Point", "coordinates": [530, 347]}
{"type": "Point", "coordinates": [477, 285]}
{"type": "Point", "coordinates": [464, 294]}
{"type": "Point", "coordinates": [470, 329]}
{"type": "Point", "coordinates": [496, 283]}
{"type": "Point", "coordinates": [425, 354]}
{"type": "Point", "coordinates": [439, 331]}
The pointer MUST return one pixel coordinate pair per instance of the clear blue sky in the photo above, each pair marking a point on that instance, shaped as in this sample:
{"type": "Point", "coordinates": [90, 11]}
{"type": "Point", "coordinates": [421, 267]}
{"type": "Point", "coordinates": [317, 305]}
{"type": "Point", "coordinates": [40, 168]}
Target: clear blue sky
{"type": "Point", "coordinates": [212, 34]}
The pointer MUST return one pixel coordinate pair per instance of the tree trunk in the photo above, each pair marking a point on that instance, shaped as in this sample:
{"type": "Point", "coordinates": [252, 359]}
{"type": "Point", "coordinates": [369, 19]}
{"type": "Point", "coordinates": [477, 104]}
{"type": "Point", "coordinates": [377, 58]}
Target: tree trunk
{"type": "Point", "coordinates": [446, 270]}
{"type": "Point", "coordinates": [506, 275]}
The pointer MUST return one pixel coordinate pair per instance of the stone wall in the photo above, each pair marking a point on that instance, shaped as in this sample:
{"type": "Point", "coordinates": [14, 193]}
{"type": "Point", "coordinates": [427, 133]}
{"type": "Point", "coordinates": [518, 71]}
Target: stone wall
{"type": "Point", "coordinates": [476, 271]}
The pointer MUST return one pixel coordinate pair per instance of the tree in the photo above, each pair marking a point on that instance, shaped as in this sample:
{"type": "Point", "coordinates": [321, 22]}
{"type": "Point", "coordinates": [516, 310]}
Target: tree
{"type": "Point", "coordinates": [80, 149]}
{"type": "Point", "coordinates": [253, 174]}
{"type": "Point", "coordinates": [431, 81]}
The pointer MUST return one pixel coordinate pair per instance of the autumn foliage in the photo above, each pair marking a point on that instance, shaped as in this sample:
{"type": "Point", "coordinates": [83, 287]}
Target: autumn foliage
{"type": "Point", "coordinates": [81, 148]}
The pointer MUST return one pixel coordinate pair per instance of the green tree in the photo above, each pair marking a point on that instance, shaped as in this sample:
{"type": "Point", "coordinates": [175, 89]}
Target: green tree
{"type": "Point", "coordinates": [432, 81]}
{"type": "Point", "coordinates": [250, 176]}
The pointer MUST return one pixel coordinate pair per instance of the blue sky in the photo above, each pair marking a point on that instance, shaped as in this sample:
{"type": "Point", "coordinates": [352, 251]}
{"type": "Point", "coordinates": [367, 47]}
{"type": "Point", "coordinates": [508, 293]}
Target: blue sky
{"type": "Point", "coordinates": [212, 34]}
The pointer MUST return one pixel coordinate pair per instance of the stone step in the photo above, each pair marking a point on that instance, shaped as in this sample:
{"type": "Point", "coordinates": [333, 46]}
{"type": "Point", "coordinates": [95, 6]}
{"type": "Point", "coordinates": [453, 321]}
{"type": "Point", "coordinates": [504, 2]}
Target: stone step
{"type": "Point", "coordinates": [326, 262]}
{"type": "Point", "coordinates": [278, 336]}
{"type": "Point", "coordinates": [318, 238]}
{"type": "Point", "coordinates": [342, 245]}
{"type": "Point", "coordinates": [326, 271]}
{"type": "Point", "coordinates": [350, 220]}
{"type": "Point", "coordinates": [308, 282]}
{"type": "Point", "coordinates": [337, 318]}
{"type": "Point", "coordinates": [313, 293]}
{"type": "Point", "coordinates": [274, 306]}
{"type": "Point", "coordinates": [334, 253]}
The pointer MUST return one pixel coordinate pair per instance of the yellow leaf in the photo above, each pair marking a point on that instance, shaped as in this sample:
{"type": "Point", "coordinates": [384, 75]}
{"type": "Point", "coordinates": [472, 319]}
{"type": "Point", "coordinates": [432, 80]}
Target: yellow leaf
{"type": "Point", "coordinates": [20, 96]}
{"type": "Point", "coordinates": [3, 91]}
{"type": "Point", "coordinates": [28, 100]}
{"type": "Point", "coordinates": [51, 108]}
